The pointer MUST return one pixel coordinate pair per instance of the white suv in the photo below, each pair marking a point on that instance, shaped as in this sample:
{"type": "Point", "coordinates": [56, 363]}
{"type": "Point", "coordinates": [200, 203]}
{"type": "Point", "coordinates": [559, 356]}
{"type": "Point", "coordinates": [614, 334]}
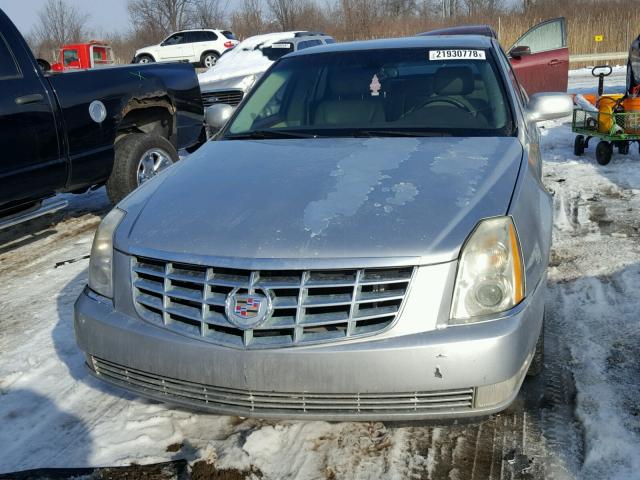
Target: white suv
{"type": "Point", "coordinates": [202, 47]}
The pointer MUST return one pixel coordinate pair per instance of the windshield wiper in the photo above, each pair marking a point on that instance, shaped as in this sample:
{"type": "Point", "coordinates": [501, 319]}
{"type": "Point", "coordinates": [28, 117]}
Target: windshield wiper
{"type": "Point", "coordinates": [265, 134]}
{"type": "Point", "coordinates": [398, 133]}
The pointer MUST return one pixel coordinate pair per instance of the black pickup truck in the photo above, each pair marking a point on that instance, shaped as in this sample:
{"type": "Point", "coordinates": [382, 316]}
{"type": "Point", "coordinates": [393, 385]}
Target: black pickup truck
{"type": "Point", "coordinates": [69, 132]}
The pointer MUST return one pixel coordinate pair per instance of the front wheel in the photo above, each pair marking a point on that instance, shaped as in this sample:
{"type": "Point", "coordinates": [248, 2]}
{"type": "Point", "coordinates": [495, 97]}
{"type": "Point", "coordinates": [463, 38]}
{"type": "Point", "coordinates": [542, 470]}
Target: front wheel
{"type": "Point", "coordinates": [138, 158]}
{"type": "Point", "coordinates": [209, 59]}
{"type": "Point", "coordinates": [604, 150]}
{"type": "Point", "coordinates": [578, 145]}
{"type": "Point", "coordinates": [145, 59]}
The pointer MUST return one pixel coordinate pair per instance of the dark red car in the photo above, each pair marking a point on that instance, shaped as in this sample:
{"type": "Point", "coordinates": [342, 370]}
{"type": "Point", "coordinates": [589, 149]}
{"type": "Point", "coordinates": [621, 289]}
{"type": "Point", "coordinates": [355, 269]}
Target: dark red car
{"type": "Point", "coordinates": [540, 57]}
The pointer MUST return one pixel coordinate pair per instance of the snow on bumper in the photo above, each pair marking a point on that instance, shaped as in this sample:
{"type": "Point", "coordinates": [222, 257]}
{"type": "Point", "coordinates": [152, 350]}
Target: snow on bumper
{"type": "Point", "coordinates": [453, 372]}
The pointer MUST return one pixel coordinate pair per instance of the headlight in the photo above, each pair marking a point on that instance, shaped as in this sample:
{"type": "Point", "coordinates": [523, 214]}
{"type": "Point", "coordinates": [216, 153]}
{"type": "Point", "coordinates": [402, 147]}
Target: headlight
{"type": "Point", "coordinates": [100, 265]}
{"type": "Point", "coordinates": [490, 273]}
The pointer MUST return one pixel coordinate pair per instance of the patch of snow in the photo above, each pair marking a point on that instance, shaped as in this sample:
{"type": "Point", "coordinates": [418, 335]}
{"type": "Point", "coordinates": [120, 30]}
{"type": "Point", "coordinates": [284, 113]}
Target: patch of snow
{"type": "Point", "coordinates": [244, 60]}
{"type": "Point", "coordinates": [356, 177]}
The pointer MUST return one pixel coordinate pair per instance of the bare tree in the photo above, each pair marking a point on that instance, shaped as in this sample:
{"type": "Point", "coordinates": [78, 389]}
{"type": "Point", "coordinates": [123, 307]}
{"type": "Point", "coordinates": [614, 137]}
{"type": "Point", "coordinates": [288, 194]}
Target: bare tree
{"type": "Point", "coordinates": [208, 13]}
{"type": "Point", "coordinates": [399, 8]}
{"type": "Point", "coordinates": [160, 17]}
{"type": "Point", "coordinates": [285, 12]}
{"type": "Point", "coordinates": [58, 23]}
{"type": "Point", "coordinates": [249, 19]}
{"type": "Point", "coordinates": [474, 7]}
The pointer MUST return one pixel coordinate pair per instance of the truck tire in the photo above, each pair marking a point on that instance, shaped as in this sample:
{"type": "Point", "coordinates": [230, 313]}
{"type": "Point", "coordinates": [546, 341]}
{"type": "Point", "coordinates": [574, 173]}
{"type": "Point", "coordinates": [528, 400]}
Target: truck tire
{"type": "Point", "coordinates": [144, 58]}
{"type": "Point", "coordinates": [209, 59]}
{"type": "Point", "coordinates": [138, 157]}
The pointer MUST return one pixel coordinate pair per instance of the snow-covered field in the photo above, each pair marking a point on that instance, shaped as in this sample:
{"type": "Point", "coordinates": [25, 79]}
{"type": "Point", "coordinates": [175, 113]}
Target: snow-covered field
{"type": "Point", "coordinates": [581, 419]}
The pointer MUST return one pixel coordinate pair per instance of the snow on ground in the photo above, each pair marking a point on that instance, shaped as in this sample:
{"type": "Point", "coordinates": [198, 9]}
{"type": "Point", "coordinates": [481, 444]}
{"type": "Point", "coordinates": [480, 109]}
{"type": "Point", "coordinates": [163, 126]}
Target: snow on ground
{"type": "Point", "coordinates": [580, 419]}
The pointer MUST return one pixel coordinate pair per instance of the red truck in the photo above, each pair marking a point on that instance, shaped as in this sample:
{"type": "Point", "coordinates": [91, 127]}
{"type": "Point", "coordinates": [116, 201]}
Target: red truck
{"type": "Point", "coordinates": [80, 56]}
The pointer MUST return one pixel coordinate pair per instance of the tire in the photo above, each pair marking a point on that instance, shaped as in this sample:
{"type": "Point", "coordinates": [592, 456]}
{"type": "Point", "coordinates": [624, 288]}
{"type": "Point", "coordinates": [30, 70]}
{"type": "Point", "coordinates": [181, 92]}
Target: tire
{"type": "Point", "coordinates": [604, 150]}
{"type": "Point", "coordinates": [578, 145]}
{"type": "Point", "coordinates": [145, 59]}
{"type": "Point", "coordinates": [623, 148]}
{"type": "Point", "coordinates": [209, 59]}
{"type": "Point", "coordinates": [537, 363]}
{"type": "Point", "coordinates": [138, 157]}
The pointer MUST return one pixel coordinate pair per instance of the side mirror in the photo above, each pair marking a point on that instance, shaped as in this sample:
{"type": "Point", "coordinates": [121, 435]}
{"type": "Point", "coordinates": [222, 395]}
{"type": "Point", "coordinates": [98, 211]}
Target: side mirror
{"type": "Point", "coordinates": [519, 51]}
{"type": "Point", "coordinates": [217, 115]}
{"type": "Point", "coordinates": [549, 106]}
{"type": "Point", "coordinates": [44, 65]}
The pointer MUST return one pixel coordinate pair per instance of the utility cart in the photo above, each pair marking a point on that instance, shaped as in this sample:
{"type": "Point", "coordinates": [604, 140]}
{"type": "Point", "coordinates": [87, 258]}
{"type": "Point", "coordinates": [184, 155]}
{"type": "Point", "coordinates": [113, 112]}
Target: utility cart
{"type": "Point", "coordinates": [615, 121]}
{"type": "Point", "coordinates": [613, 129]}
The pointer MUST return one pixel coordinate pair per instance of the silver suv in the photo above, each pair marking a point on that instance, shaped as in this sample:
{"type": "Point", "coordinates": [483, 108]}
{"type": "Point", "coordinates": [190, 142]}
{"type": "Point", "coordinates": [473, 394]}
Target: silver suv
{"type": "Point", "coordinates": [238, 69]}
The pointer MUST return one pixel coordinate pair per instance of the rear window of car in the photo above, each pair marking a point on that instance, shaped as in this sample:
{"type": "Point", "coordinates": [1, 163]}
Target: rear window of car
{"type": "Point", "coordinates": [229, 35]}
{"type": "Point", "coordinates": [207, 36]}
{"type": "Point", "coordinates": [276, 50]}
{"type": "Point", "coordinates": [391, 90]}
{"type": "Point", "coordinates": [329, 40]}
{"type": "Point", "coordinates": [309, 44]}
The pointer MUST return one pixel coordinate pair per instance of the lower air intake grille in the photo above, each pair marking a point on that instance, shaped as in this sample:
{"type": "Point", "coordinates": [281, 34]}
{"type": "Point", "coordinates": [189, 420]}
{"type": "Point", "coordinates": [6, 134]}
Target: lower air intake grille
{"type": "Point", "coordinates": [209, 396]}
{"type": "Point", "coordinates": [307, 306]}
{"type": "Point", "coordinates": [231, 97]}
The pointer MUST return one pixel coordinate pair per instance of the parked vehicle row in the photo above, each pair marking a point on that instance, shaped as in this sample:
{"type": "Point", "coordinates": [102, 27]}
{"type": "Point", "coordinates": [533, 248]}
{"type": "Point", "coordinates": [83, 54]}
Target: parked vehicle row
{"type": "Point", "coordinates": [69, 132]}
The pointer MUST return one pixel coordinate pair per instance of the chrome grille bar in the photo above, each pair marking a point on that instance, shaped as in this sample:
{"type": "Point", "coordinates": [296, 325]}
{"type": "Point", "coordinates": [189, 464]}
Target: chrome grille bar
{"type": "Point", "coordinates": [309, 306]}
{"type": "Point", "coordinates": [230, 97]}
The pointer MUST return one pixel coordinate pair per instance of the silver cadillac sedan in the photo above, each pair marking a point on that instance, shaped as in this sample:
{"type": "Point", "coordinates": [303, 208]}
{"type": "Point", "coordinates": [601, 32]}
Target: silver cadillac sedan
{"type": "Point", "coordinates": [367, 238]}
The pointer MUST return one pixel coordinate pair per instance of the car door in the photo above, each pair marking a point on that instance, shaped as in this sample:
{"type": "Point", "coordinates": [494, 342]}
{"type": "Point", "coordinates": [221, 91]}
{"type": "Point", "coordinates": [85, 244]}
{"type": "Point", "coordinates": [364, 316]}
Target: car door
{"type": "Point", "coordinates": [540, 57]}
{"type": "Point", "coordinates": [173, 47]}
{"type": "Point", "coordinates": [31, 164]}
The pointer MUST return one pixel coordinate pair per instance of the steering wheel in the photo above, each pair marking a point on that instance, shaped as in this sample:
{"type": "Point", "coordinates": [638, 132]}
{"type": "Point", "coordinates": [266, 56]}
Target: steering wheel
{"type": "Point", "coordinates": [452, 101]}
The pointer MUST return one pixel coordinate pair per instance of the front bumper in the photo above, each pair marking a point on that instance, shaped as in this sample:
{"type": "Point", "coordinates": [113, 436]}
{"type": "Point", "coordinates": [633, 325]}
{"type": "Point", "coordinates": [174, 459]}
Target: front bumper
{"type": "Point", "coordinates": [453, 372]}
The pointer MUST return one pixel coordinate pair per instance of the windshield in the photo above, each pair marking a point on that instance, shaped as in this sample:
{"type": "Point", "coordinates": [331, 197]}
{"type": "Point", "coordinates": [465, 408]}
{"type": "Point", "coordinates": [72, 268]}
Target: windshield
{"type": "Point", "coordinates": [377, 92]}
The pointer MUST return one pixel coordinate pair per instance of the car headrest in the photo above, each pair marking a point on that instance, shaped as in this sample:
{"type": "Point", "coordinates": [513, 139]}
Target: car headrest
{"type": "Point", "coordinates": [453, 81]}
{"type": "Point", "coordinates": [350, 82]}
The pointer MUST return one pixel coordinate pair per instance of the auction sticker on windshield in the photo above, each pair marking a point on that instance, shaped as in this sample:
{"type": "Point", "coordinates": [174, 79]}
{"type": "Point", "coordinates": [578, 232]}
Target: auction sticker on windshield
{"type": "Point", "coordinates": [457, 54]}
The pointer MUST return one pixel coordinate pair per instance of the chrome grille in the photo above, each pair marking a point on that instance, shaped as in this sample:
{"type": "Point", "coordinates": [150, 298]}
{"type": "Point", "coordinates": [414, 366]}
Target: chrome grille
{"type": "Point", "coordinates": [230, 97]}
{"type": "Point", "coordinates": [309, 306]}
{"type": "Point", "coordinates": [221, 398]}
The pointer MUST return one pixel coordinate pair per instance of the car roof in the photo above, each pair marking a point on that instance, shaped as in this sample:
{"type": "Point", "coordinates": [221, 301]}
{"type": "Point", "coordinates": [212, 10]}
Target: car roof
{"type": "Point", "coordinates": [434, 41]}
{"type": "Point", "coordinates": [484, 30]}
{"type": "Point", "coordinates": [306, 38]}
{"type": "Point", "coordinates": [201, 30]}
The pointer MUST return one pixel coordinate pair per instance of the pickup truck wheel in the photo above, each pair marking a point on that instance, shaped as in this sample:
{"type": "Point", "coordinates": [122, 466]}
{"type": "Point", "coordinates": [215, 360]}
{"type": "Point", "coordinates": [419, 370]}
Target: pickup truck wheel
{"type": "Point", "coordinates": [209, 59]}
{"type": "Point", "coordinates": [138, 158]}
{"type": "Point", "coordinates": [145, 59]}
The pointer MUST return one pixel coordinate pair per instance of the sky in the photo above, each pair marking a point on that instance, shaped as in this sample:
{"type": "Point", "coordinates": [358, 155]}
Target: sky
{"type": "Point", "coordinates": [104, 15]}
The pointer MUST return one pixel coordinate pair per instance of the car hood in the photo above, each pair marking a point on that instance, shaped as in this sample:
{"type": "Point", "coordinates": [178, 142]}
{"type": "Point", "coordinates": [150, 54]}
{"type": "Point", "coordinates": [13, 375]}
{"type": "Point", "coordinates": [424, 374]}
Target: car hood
{"type": "Point", "coordinates": [341, 202]}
